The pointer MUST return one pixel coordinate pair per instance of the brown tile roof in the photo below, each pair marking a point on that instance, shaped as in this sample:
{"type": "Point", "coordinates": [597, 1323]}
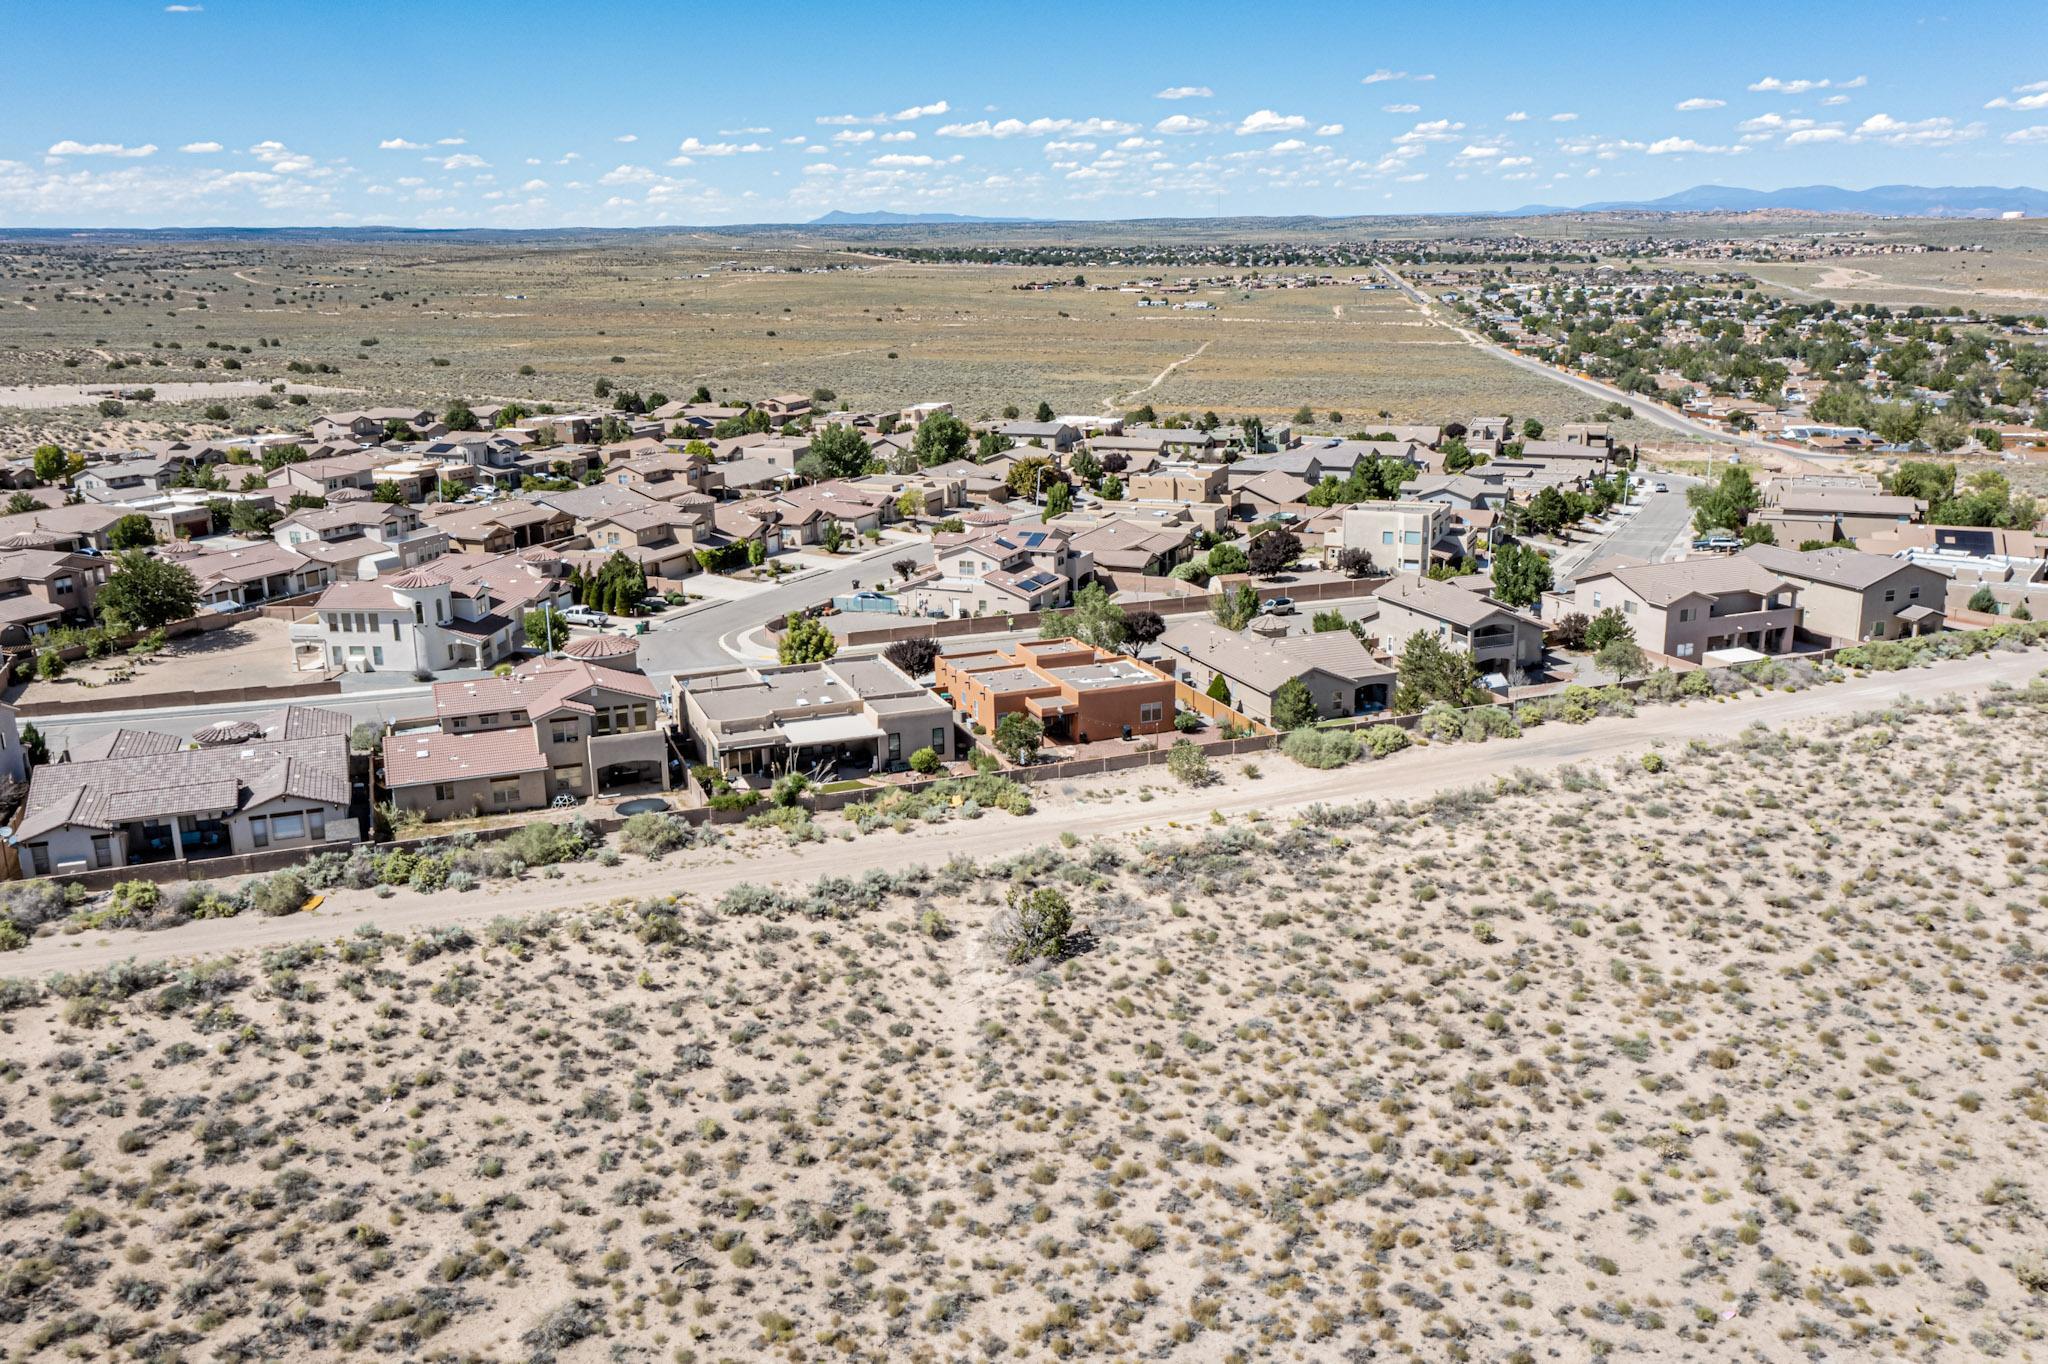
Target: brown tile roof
{"type": "Point", "coordinates": [132, 785]}
{"type": "Point", "coordinates": [416, 759]}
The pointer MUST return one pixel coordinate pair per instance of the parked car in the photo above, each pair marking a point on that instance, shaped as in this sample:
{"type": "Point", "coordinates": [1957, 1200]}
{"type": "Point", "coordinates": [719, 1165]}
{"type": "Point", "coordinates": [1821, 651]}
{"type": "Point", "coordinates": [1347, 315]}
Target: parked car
{"type": "Point", "coordinates": [585, 615]}
{"type": "Point", "coordinates": [1661, 488]}
{"type": "Point", "coordinates": [1280, 606]}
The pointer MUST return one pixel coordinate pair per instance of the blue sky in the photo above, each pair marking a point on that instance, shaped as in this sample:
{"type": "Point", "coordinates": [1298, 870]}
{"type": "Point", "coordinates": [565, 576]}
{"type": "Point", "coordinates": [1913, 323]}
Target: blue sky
{"type": "Point", "coordinates": [438, 113]}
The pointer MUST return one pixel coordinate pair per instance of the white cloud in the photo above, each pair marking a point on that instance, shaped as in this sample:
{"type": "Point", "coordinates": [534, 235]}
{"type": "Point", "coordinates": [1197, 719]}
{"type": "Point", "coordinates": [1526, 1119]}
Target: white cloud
{"type": "Point", "coordinates": [1383, 74]}
{"type": "Point", "coordinates": [1697, 103]}
{"type": "Point", "coordinates": [1182, 125]}
{"type": "Point", "coordinates": [1806, 135]}
{"type": "Point", "coordinates": [200, 148]}
{"type": "Point", "coordinates": [1681, 146]}
{"type": "Point", "coordinates": [1773, 85]}
{"type": "Point", "coordinates": [1519, 116]}
{"type": "Point", "coordinates": [905, 159]}
{"type": "Point", "coordinates": [464, 161]}
{"type": "Point", "coordinates": [1836, 99]}
{"type": "Point", "coordinates": [691, 146]}
{"type": "Point", "coordinates": [1772, 123]}
{"type": "Point", "coordinates": [1507, 161]}
{"type": "Point", "coordinates": [399, 144]}
{"type": "Point", "coordinates": [1477, 152]}
{"type": "Point", "coordinates": [1038, 127]}
{"type": "Point", "coordinates": [1267, 121]}
{"type": "Point", "coordinates": [2026, 137]}
{"type": "Point", "coordinates": [2030, 96]}
{"type": "Point", "coordinates": [451, 142]}
{"type": "Point", "coordinates": [627, 137]}
{"type": "Point", "coordinates": [747, 132]}
{"type": "Point", "coordinates": [900, 116]}
{"type": "Point", "coordinates": [1185, 92]}
{"type": "Point", "coordinates": [1926, 132]}
{"type": "Point", "coordinates": [69, 148]}
{"type": "Point", "coordinates": [1400, 108]}
{"type": "Point", "coordinates": [532, 185]}
{"type": "Point", "coordinates": [184, 9]}
{"type": "Point", "coordinates": [1330, 130]}
{"type": "Point", "coordinates": [904, 135]}
{"type": "Point", "coordinates": [854, 135]}
{"type": "Point", "coordinates": [1436, 130]}
{"type": "Point", "coordinates": [1564, 118]}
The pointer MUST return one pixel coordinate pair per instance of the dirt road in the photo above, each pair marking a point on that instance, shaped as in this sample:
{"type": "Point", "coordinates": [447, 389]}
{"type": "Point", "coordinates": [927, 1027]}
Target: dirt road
{"type": "Point", "coordinates": [1281, 789]}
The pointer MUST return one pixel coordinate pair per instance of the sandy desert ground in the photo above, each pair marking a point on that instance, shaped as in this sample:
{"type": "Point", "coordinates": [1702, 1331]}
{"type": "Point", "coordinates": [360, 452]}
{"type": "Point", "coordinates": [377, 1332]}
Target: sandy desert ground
{"type": "Point", "coordinates": [1735, 1058]}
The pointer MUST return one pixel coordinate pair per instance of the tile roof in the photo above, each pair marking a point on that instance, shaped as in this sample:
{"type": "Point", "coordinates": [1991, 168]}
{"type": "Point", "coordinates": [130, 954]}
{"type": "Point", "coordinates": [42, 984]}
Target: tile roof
{"type": "Point", "coordinates": [1663, 584]}
{"type": "Point", "coordinates": [415, 759]}
{"type": "Point", "coordinates": [1445, 602]}
{"type": "Point", "coordinates": [139, 779]}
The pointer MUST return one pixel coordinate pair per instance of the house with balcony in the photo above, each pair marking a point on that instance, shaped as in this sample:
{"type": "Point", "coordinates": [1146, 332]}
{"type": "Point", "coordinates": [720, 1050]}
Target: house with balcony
{"type": "Point", "coordinates": [1401, 537]}
{"type": "Point", "coordinates": [132, 797]}
{"type": "Point", "coordinates": [1694, 607]}
{"type": "Point", "coordinates": [463, 611]}
{"type": "Point", "coordinates": [1342, 676]}
{"type": "Point", "coordinates": [1504, 643]}
{"type": "Point", "coordinates": [360, 538]}
{"type": "Point", "coordinates": [586, 724]}
{"type": "Point", "coordinates": [1847, 597]}
{"type": "Point", "coordinates": [42, 588]}
{"type": "Point", "coordinates": [999, 570]}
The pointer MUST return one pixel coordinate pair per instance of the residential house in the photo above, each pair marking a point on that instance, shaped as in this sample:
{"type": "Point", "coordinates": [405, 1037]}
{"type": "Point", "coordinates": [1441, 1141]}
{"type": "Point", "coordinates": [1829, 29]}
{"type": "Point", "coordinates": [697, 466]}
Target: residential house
{"type": "Point", "coordinates": [1401, 537]}
{"type": "Point", "coordinates": [462, 611]}
{"type": "Point", "coordinates": [1153, 547]}
{"type": "Point", "coordinates": [365, 538]}
{"type": "Point", "coordinates": [275, 781]}
{"type": "Point", "coordinates": [42, 588]}
{"type": "Point", "coordinates": [1053, 435]}
{"type": "Point", "coordinates": [1848, 597]}
{"type": "Point", "coordinates": [320, 477]}
{"type": "Point", "coordinates": [1796, 514]}
{"type": "Point", "coordinates": [1503, 642]}
{"type": "Point", "coordinates": [1694, 607]}
{"type": "Point", "coordinates": [1178, 483]}
{"type": "Point", "coordinates": [500, 527]}
{"type": "Point", "coordinates": [248, 575]}
{"type": "Point", "coordinates": [583, 725]}
{"type": "Point", "coordinates": [1001, 570]}
{"type": "Point", "coordinates": [850, 714]}
{"type": "Point", "coordinates": [1342, 676]}
{"type": "Point", "coordinates": [1079, 693]}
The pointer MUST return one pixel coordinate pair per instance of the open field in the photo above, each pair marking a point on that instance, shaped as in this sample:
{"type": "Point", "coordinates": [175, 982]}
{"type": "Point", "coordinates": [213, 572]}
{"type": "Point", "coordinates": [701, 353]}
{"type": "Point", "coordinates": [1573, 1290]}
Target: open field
{"type": "Point", "coordinates": [876, 333]}
{"type": "Point", "coordinates": [1736, 1058]}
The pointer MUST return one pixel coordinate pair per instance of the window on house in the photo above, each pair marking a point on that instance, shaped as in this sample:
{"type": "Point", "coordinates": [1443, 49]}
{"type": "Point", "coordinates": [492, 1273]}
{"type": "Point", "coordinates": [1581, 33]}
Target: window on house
{"type": "Point", "coordinates": [1685, 651]}
{"type": "Point", "coordinates": [283, 827]}
{"type": "Point", "coordinates": [1596, 601]}
{"type": "Point", "coordinates": [1684, 614]}
{"type": "Point", "coordinates": [444, 790]}
{"type": "Point", "coordinates": [1891, 594]}
{"type": "Point", "coordinates": [316, 823]}
{"type": "Point", "coordinates": [895, 747]}
{"type": "Point", "coordinates": [259, 831]}
{"type": "Point", "coordinates": [1386, 537]}
{"type": "Point", "coordinates": [377, 655]}
{"type": "Point", "coordinates": [504, 790]}
{"type": "Point", "coordinates": [1150, 711]}
{"type": "Point", "coordinates": [102, 850]}
{"type": "Point", "coordinates": [1628, 608]}
{"type": "Point", "coordinates": [939, 742]}
{"type": "Point", "coordinates": [562, 734]}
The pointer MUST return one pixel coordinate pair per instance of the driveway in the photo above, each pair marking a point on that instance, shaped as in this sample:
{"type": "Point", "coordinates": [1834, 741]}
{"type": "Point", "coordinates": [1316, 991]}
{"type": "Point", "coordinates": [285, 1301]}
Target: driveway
{"type": "Point", "coordinates": [1664, 523]}
{"type": "Point", "coordinates": [1283, 789]}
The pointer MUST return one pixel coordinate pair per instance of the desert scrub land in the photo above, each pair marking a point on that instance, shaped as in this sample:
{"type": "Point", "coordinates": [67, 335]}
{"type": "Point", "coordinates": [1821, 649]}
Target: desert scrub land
{"type": "Point", "coordinates": [1732, 1054]}
{"type": "Point", "coordinates": [354, 323]}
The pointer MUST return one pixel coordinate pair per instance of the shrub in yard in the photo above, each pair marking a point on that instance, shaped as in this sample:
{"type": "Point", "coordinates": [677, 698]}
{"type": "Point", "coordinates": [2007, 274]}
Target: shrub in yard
{"type": "Point", "coordinates": [1035, 925]}
{"type": "Point", "coordinates": [789, 788]}
{"type": "Point", "coordinates": [925, 761]}
{"type": "Point", "coordinates": [134, 898]}
{"type": "Point", "coordinates": [1321, 748]}
{"type": "Point", "coordinates": [281, 893]}
{"type": "Point", "coordinates": [1188, 764]}
{"type": "Point", "coordinates": [1696, 684]}
{"type": "Point", "coordinates": [651, 833]}
{"type": "Point", "coordinates": [734, 800]}
{"type": "Point", "coordinates": [1382, 740]}
{"type": "Point", "coordinates": [543, 845]}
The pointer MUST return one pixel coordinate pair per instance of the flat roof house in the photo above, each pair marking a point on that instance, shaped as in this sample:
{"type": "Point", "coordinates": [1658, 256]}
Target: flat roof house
{"type": "Point", "coordinates": [848, 715]}
{"type": "Point", "coordinates": [1340, 673]}
{"type": "Point", "coordinates": [1693, 607]}
{"type": "Point", "coordinates": [1081, 694]}
{"type": "Point", "coordinates": [1500, 639]}
{"type": "Point", "coordinates": [279, 780]}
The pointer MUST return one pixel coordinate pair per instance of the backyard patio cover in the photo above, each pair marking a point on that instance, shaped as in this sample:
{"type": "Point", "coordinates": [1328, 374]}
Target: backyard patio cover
{"type": "Point", "coordinates": [830, 729]}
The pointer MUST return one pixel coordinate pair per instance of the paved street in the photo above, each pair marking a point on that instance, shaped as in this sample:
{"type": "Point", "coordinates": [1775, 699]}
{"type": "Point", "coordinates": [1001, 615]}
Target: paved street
{"type": "Point", "coordinates": [1663, 524]}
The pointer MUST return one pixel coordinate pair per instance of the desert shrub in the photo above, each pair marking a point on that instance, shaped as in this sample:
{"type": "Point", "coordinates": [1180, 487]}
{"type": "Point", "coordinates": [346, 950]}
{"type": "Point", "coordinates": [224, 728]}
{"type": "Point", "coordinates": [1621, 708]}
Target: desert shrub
{"type": "Point", "coordinates": [1653, 762]}
{"type": "Point", "coordinates": [1661, 685]}
{"type": "Point", "coordinates": [543, 845]}
{"type": "Point", "coordinates": [925, 760]}
{"type": "Point", "coordinates": [280, 893]}
{"type": "Point", "coordinates": [749, 899]}
{"type": "Point", "coordinates": [18, 994]}
{"type": "Point", "coordinates": [31, 903]}
{"type": "Point", "coordinates": [1441, 721]}
{"type": "Point", "coordinates": [789, 788]}
{"type": "Point", "coordinates": [1188, 764]}
{"type": "Point", "coordinates": [134, 898]}
{"type": "Point", "coordinates": [792, 820]}
{"type": "Point", "coordinates": [1035, 924]}
{"type": "Point", "coordinates": [652, 833]}
{"type": "Point", "coordinates": [1696, 684]}
{"type": "Point", "coordinates": [1321, 748]}
{"type": "Point", "coordinates": [1382, 740]}
{"type": "Point", "coordinates": [734, 800]}
{"type": "Point", "coordinates": [1488, 722]}
{"type": "Point", "coordinates": [13, 938]}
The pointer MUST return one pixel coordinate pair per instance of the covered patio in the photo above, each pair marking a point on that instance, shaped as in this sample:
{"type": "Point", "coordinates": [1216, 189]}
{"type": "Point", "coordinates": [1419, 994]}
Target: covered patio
{"type": "Point", "coordinates": [845, 743]}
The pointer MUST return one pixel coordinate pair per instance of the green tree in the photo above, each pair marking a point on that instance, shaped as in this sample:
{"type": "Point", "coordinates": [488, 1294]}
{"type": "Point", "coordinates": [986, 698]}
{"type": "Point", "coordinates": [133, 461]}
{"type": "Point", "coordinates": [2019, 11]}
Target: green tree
{"type": "Point", "coordinates": [277, 456]}
{"type": "Point", "coordinates": [458, 417]}
{"type": "Point", "coordinates": [841, 450]}
{"type": "Point", "coordinates": [1607, 627]}
{"type": "Point", "coordinates": [1027, 475]}
{"type": "Point", "coordinates": [805, 640]}
{"type": "Point", "coordinates": [545, 630]}
{"type": "Point", "coordinates": [131, 532]}
{"type": "Point", "coordinates": [1430, 673]}
{"type": "Point", "coordinates": [1044, 412]}
{"type": "Point", "coordinates": [25, 502]}
{"type": "Point", "coordinates": [1726, 504]}
{"type": "Point", "coordinates": [1235, 609]}
{"type": "Point", "coordinates": [1218, 689]}
{"type": "Point", "coordinates": [1548, 512]}
{"type": "Point", "coordinates": [252, 519]}
{"type": "Point", "coordinates": [388, 493]}
{"type": "Point", "coordinates": [1293, 706]}
{"type": "Point", "coordinates": [1111, 489]}
{"type": "Point", "coordinates": [1059, 500]}
{"type": "Point", "coordinates": [991, 444]}
{"type": "Point", "coordinates": [143, 593]}
{"type": "Point", "coordinates": [941, 438]}
{"type": "Point", "coordinates": [1018, 736]}
{"type": "Point", "coordinates": [1983, 602]}
{"type": "Point", "coordinates": [1520, 575]}
{"type": "Point", "coordinates": [50, 463]}
{"type": "Point", "coordinates": [1532, 429]}
{"type": "Point", "coordinates": [1227, 558]}
{"type": "Point", "coordinates": [1035, 925]}
{"type": "Point", "coordinates": [1623, 657]}
{"type": "Point", "coordinates": [1932, 481]}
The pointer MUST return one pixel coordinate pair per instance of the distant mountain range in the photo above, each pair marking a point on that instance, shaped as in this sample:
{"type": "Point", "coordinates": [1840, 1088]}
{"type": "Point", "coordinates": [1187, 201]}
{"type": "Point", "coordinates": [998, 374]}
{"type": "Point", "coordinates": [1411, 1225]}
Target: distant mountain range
{"type": "Point", "coordinates": [1887, 201]}
{"type": "Point", "coordinates": [884, 218]}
